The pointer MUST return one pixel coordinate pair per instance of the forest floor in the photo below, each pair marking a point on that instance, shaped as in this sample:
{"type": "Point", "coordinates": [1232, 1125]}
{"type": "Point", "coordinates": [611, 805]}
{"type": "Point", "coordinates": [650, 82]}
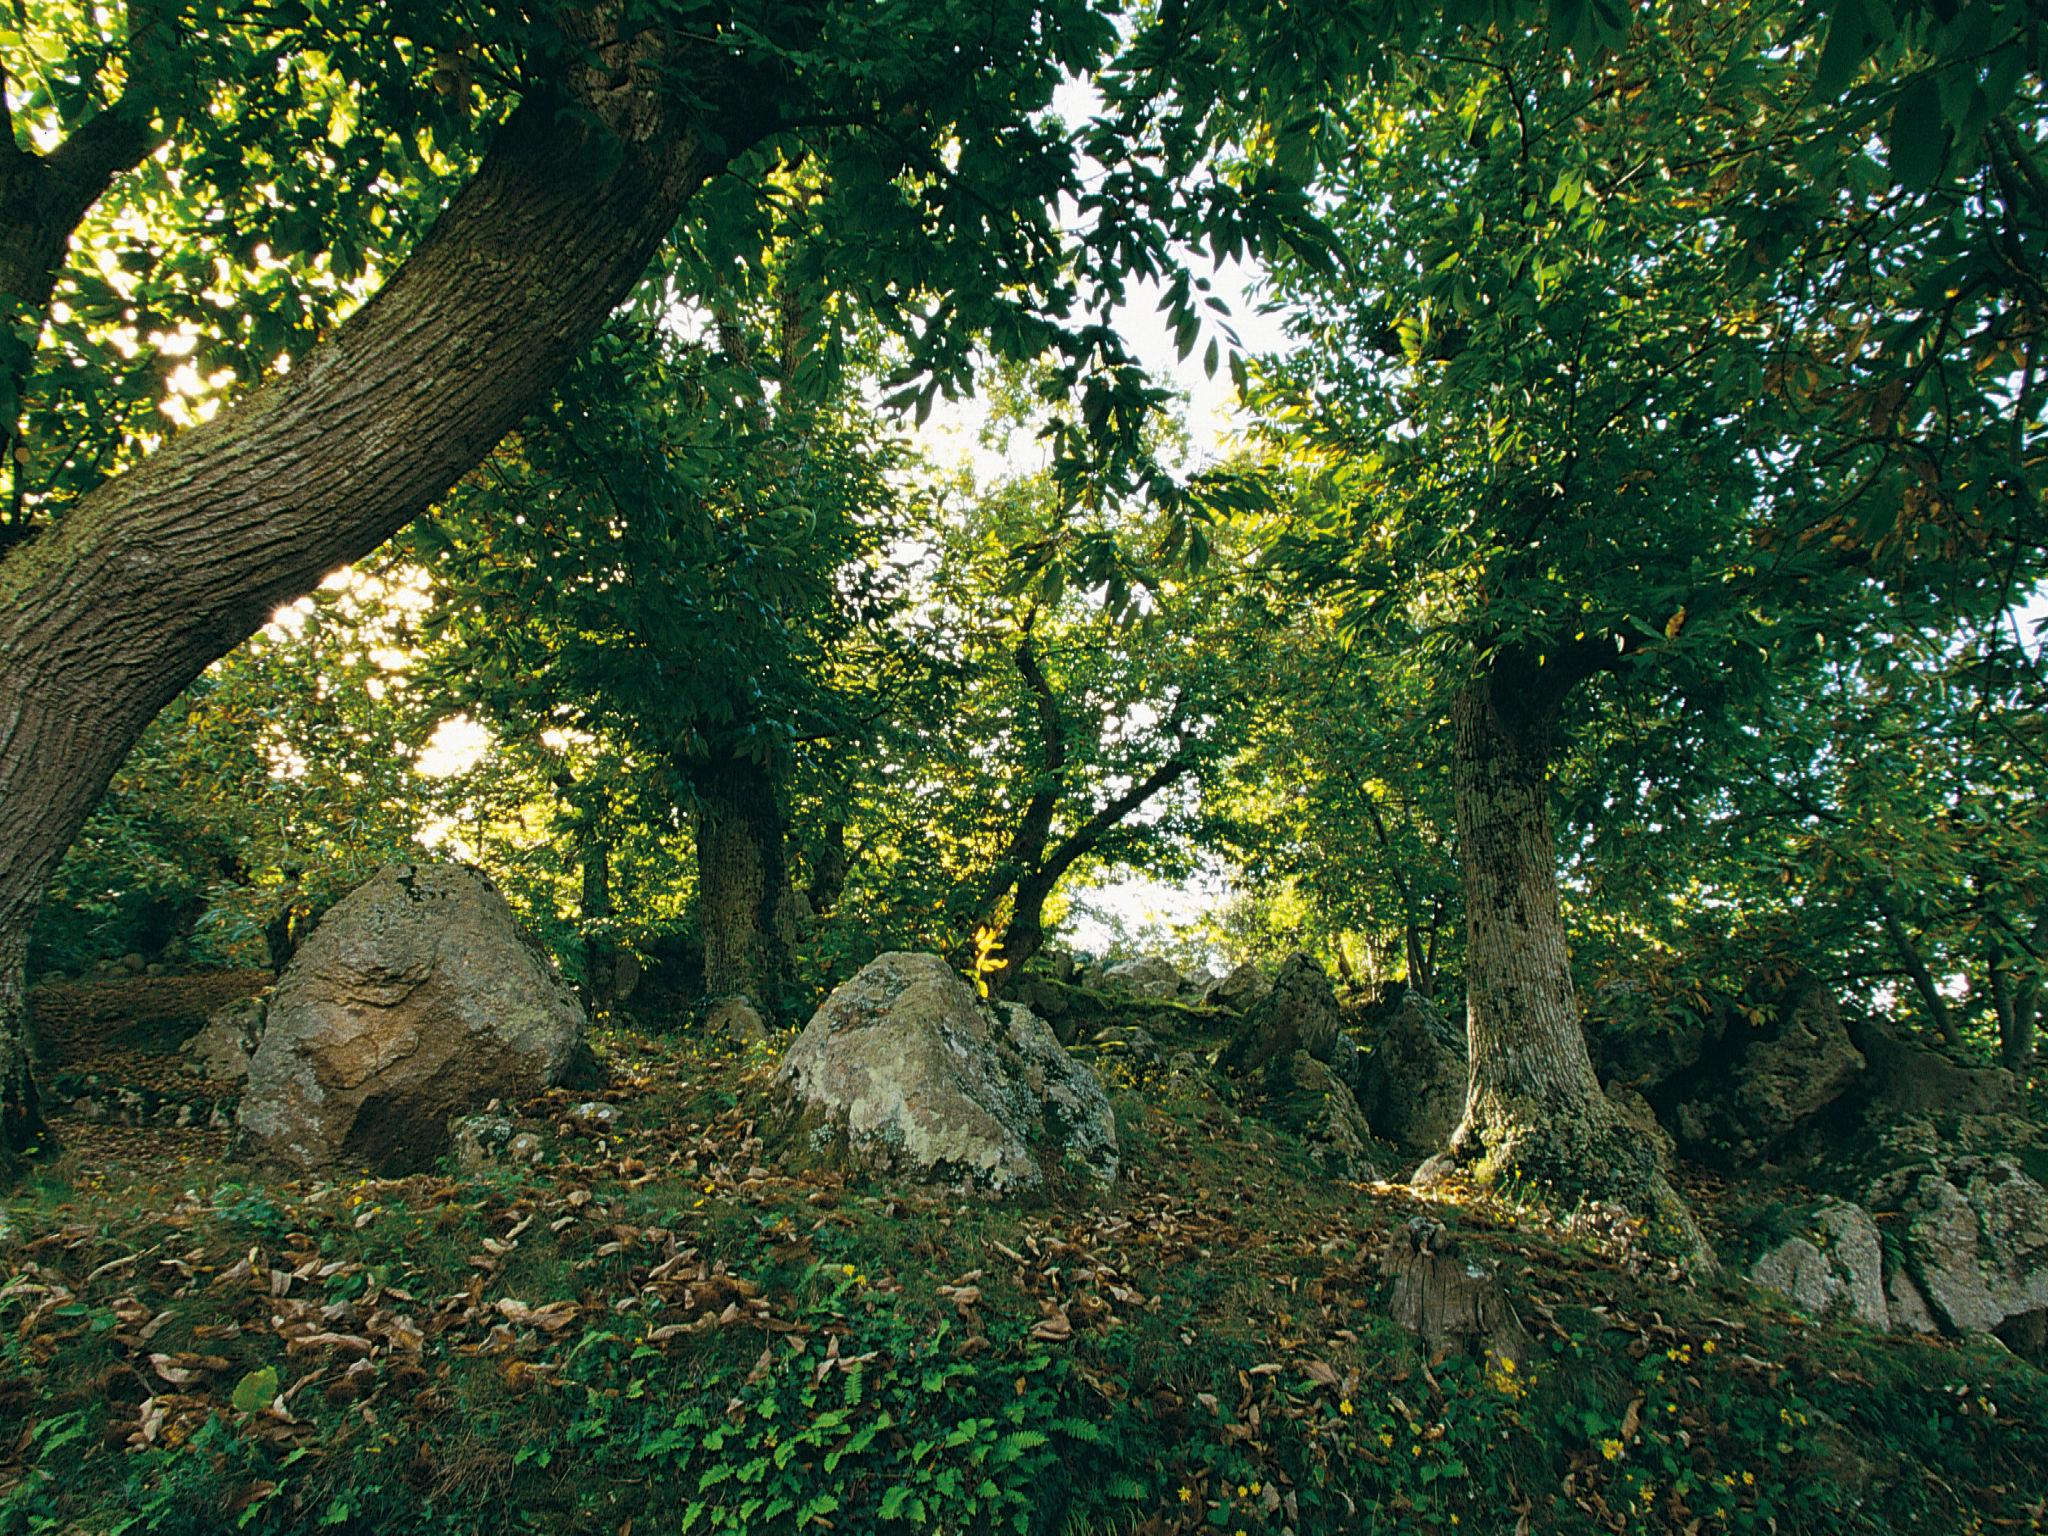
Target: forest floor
{"type": "Point", "coordinates": [667, 1326]}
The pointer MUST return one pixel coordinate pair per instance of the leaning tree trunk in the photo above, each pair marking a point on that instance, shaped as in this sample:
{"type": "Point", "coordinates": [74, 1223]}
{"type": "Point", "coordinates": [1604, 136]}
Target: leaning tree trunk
{"type": "Point", "coordinates": [110, 612]}
{"type": "Point", "coordinates": [743, 906]}
{"type": "Point", "coordinates": [1535, 1119]}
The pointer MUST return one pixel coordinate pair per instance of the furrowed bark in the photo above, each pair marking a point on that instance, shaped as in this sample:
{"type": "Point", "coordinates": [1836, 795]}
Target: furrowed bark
{"type": "Point", "coordinates": [108, 614]}
{"type": "Point", "coordinates": [1536, 1121]}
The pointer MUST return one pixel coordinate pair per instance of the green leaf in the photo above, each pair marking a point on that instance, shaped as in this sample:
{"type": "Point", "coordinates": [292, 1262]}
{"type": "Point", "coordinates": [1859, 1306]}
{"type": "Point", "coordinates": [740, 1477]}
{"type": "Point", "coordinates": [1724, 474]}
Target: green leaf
{"type": "Point", "coordinates": [255, 1390]}
{"type": "Point", "coordinates": [1917, 143]}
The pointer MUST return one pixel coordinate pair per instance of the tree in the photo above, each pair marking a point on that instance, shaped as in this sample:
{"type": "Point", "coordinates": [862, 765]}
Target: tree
{"type": "Point", "coordinates": [663, 564]}
{"type": "Point", "coordinates": [1084, 711]}
{"type": "Point", "coordinates": [1638, 383]}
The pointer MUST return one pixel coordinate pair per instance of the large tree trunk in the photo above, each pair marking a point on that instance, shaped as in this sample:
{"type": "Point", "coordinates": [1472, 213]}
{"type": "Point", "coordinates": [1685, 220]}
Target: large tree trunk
{"type": "Point", "coordinates": [1535, 1118]}
{"type": "Point", "coordinates": [743, 906]}
{"type": "Point", "coordinates": [109, 613]}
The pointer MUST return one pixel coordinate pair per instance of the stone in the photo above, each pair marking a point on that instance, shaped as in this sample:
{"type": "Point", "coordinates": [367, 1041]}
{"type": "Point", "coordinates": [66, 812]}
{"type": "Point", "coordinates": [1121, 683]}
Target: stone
{"type": "Point", "coordinates": [1635, 1110]}
{"type": "Point", "coordinates": [903, 1070]}
{"type": "Point", "coordinates": [1146, 976]}
{"type": "Point", "coordinates": [736, 1019]}
{"type": "Point", "coordinates": [1905, 1308]}
{"type": "Point", "coordinates": [1773, 1067]}
{"type": "Point", "coordinates": [523, 1148]}
{"type": "Point", "coordinates": [416, 1000]}
{"type": "Point", "coordinates": [1974, 1236]}
{"type": "Point", "coordinates": [475, 1141]}
{"type": "Point", "coordinates": [1240, 991]}
{"type": "Point", "coordinates": [1837, 1266]}
{"type": "Point", "coordinates": [1905, 1078]}
{"type": "Point", "coordinates": [1307, 1097]}
{"type": "Point", "coordinates": [1136, 1045]}
{"type": "Point", "coordinates": [220, 1051]}
{"type": "Point", "coordinates": [1044, 996]}
{"type": "Point", "coordinates": [1413, 1080]}
{"type": "Point", "coordinates": [593, 1118]}
{"type": "Point", "coordinates": [1298, 1013]}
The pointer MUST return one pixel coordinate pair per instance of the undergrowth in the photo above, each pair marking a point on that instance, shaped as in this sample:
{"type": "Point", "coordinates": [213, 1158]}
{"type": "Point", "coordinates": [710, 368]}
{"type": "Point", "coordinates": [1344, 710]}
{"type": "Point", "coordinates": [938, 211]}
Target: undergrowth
{"type": "Point", "coordinates": [655, 1333]}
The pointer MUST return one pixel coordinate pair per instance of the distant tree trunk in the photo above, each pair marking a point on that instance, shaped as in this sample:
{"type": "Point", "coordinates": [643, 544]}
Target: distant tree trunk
{"type": "Point", "coordinates": [829, 869]}
{"type": "Point", "coordinates": [1916, 966]}
{"type": "Point", "coordinates": [743, 910]}
{"type": "Point", "coordinates": [594, 909]}
{"type": "Point", "coordinates": [2017, 1000]}
{"type": "Point", "coordinates": [21, 1122]}
{"type": "Point", "coordinates": [1535, 1116]}
{"type": "Point", "coordinates": [111, 610]}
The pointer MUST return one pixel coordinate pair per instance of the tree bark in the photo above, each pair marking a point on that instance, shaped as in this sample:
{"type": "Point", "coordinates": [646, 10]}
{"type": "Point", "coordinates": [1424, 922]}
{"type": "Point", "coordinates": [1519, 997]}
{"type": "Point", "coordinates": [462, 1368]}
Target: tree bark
{"type": "Point", "coordinates": [594, 903]}
{"type": "Point", "coordinates": [743, 909]}
{"type": "Point", "coordinates": [110, 612]}
{"type": "Point", "coordinates": [22, 1130]}
{"type": "Point", "coordinates": [830, 867]}
{"type": "Point", "coordinates": [1536, 1121]}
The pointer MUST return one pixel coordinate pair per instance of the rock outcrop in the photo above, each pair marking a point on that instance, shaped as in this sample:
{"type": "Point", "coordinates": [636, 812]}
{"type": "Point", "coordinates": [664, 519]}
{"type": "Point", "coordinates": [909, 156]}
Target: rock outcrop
{"type": "Point", "coordinates": [1240, 991]}
{"type": "Point", "coordinates": [1773, 1065]}
{"type": "Point", "coordinates": [1835, 1267]}
{"type": "Point", "coordinates": [1146, 976]}
{"type": "Point", "coordinates": [904, 1070]}
{"type": "Point", "coordinates": [1413, 1080]}
{"type": "Point", "coordinates": [415, 1001]}
{"type": "Point", "coordinates": [1293, 1048]}
{"type": "Point", "coordinates": [1973, 1234]}
{"type": "Point", "coordinates": [1298, 1013]}
{"type": "Point", "coordinates": [221, 1050]}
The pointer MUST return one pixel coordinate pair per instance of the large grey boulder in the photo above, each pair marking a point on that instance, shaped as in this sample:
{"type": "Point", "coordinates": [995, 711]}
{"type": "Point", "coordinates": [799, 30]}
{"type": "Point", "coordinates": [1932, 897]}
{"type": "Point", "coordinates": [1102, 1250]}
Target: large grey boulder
{"type": "Point", "coordinates": [221, 1050]}
{"type": "Point", "coordinates": [1974, 1236]}
{"type": "Point", "coordinates": [1298, 1013]}
{"type": "Point", "coordinates": [1146, 976]}
{"type": "Point", "coordinates": [1413, 1081]}
{"type": "Point", "coordinates": [415, 1001]}
{"type": "Point", "coordinates": [1240, 991]}
{"type": "Point", "coordinates": [1835, 1266]}
{"type": "Point", "coordinates": [904, 1070]}
{"type": "Point", "coordinates": [1774, 1067]}
{"type": "Point", "coordinates": [1308, 1098]}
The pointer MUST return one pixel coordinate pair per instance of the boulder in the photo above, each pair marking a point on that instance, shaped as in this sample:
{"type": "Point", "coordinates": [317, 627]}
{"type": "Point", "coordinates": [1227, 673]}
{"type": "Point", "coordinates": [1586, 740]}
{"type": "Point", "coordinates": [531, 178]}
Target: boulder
{"type": "Point", "coordinates": [904, 1070]}
{"type": "Point", "coordinates": [736, 1019]}
{"type": "Point", "coordinates": [1146, 976]}
{"type": "Point", "coordinates": [476, 1141]}
{"type": "Point", "coordinates": [1298, 1013]}
{"type": "Point", "coordinates": [1773, 1066]}
{"type": "Point", "coordinates": [1837, 1265]}
{"type": "Point", "coordinates": [1044, 996]}
{"type": "Point", "coordinates": [1973, 1233]}
{"type": "Point", "coordinates": [1905, 1078]}
{"type": "Point", "coordinates": [1412, 1082]}
{"type": "Point", "coordinates": [220, 1051]}
{"type": "Point", "coordinates": [416, 1000]}
{"type": "Point", "coordinates": [1240, 991]}
{"type": "Point", "coordinates": [1306, 1097]}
